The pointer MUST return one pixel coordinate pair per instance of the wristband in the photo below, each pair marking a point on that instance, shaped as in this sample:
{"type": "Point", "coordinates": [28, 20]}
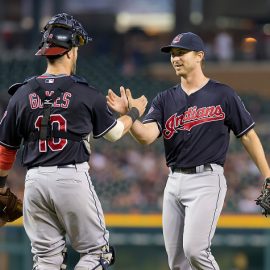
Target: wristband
{"type": "Point", "coordinates": [3, 180]}
{"type": "Point", "coordinates": [134, 114]}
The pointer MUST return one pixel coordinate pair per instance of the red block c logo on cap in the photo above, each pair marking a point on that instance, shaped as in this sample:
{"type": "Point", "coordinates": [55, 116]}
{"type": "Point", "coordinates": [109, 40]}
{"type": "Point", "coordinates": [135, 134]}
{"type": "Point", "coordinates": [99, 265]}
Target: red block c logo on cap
{"type": "Point", "coordinates": [177, 38]}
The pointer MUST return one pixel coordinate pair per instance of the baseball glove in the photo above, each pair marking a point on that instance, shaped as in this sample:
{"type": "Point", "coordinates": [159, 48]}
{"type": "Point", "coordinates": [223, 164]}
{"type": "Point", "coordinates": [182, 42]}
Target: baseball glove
{"type": "Point", "coordinates": [264, 199]}
{"type": "Point", "coordinates": [10, 206]}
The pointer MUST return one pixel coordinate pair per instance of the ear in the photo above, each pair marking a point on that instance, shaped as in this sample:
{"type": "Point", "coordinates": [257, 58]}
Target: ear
{"type": "Point", "coordinates": [200, 55]}
{"type": "Point", "coordinates": [68, 54]}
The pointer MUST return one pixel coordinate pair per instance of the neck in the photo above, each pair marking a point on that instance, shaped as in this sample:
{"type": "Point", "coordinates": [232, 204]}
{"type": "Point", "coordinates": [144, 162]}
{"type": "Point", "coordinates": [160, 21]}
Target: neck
{"type": "Point", "coordinates": [60, 66]}
{"type": "Point", "coordinates": [193, 82]}
{"type": "Point", "coordinates": [58, 70]}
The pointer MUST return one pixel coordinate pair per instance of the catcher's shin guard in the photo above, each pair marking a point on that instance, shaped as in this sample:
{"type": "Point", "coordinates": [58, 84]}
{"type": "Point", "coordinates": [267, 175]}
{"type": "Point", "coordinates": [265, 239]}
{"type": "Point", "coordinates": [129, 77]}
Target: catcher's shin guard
{"type": "Point", "coordinates": [64, 264]}
{"type": "Point", "coordinates": [111, 254]}
{"type": "Point", "coordinates": [107, 258]}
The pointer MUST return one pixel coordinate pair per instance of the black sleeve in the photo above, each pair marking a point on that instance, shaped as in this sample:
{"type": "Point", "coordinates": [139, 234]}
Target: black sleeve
{"type": "Point", "coordinates": [9, 136]}
{"type": "Point", "coordinates": [155, 114]}
{"type": "Point", "coordinates": [103, 119]}
{"type": "Point", "coordinates": [237, 117]}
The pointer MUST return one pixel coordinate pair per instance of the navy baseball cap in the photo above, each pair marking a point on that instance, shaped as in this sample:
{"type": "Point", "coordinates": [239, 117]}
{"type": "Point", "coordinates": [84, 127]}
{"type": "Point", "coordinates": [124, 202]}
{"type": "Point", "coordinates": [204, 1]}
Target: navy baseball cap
{"type": "Point", "coordinates": [188, 41]}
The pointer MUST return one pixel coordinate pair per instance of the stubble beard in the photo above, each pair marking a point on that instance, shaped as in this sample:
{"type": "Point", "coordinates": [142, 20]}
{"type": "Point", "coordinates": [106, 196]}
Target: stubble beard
{"type": "Point", "coordinates": [179, 73]}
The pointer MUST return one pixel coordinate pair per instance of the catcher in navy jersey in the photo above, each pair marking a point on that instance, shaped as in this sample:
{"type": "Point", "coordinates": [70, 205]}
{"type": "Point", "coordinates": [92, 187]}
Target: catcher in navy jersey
{"type": "Point", "coordinates": [195, 118]}
{"type": "Point", "coordinates": [54, 114]}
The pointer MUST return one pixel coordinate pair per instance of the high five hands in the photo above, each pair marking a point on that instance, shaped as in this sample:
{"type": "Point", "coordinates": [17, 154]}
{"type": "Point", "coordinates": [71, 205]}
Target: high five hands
{"type": "Point", "coordinates": [125, 101]}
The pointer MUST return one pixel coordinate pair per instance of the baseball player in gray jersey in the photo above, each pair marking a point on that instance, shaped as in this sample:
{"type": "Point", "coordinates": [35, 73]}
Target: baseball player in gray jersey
{"type": "Point", "coordinates": [195, 118]}
{"type": "Point", "coordinates": [54, 113]}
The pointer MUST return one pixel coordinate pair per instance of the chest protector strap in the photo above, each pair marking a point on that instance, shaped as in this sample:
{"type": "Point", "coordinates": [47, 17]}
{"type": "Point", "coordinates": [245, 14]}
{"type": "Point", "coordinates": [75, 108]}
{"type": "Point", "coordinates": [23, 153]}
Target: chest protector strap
{"type": "Point", "coordinates": [46, 132]}
{"type": "Point", "coordinates": [45, 127]}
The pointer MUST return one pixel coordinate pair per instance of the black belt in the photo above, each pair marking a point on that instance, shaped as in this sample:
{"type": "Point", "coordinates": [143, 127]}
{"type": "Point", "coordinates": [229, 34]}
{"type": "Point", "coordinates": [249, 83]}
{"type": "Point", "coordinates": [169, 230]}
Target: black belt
{"type": "Point", "coordinates": [67, 166]}
{"type": "Point", "coordinates": [192, 170]}
{"type": "Point", "coordinates": [59, 166]}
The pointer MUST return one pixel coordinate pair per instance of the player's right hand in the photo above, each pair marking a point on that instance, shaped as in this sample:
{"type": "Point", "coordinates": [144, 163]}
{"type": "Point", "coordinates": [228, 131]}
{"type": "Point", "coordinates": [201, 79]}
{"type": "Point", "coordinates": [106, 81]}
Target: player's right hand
{"type": "Point", "coordinates": [118, 103]}
{"type": "Point", "coordinates": [139, 103]}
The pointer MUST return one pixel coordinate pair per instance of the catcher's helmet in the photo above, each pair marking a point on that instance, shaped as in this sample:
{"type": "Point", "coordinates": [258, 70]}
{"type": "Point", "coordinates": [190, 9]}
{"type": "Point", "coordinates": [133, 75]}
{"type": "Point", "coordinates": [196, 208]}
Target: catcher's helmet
{"type": "Point", "coordinates": [60, 34]}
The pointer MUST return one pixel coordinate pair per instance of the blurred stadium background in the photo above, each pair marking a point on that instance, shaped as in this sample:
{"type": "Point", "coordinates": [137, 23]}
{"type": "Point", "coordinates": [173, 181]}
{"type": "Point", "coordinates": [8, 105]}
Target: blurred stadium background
{"type": "Point", "coordinates": [130, 178]}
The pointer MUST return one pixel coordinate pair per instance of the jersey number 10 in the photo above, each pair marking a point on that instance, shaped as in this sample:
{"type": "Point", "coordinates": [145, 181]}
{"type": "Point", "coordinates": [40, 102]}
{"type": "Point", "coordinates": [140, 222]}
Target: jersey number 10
{"type": "Point", "coordinates": [55, 144]}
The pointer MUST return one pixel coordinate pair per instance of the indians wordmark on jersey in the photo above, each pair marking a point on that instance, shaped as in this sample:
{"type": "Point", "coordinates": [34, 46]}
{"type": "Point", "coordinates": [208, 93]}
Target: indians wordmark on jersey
{"type": "Point", "coordinates": [192, 117]}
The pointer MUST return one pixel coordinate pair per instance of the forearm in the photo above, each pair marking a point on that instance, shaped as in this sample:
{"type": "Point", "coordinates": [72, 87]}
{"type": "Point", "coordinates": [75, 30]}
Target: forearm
{"type": "Point", "coordinates": [138, 133]}
{"type": "Point", "coordinates": [4, 172]}
{"type": "Point", "coordinates": [144, 133]}
{"type": "Point", "coordinates": [252, 144]}
{"type": "Point", "coordinates": [119, 130]}
{"type": "Point", "coordinates": [3, 178]}
{"type": "Point", "coordinates": [127, 122]}
{"type": "Point", "coordinates": [7, 157]}
{"type": "Point", "coordinates": [3, 186]}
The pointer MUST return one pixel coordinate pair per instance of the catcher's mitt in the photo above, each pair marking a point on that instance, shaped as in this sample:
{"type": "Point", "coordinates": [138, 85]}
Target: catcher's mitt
{"type": "Point", "coordinates": [10, 206]}
{"type": "Point", "coordinates": [264, 199]}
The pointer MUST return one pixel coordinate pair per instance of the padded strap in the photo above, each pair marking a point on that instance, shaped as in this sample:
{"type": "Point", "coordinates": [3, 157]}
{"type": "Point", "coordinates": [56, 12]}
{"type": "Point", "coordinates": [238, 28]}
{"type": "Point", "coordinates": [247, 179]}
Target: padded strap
{"type": "Point", "coordinates": [35, 135]}
{"type": "Point", "coordinates": [46, 131]}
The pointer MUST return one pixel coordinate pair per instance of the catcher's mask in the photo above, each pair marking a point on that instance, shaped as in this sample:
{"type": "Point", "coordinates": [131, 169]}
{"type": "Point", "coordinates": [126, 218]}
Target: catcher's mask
{"type": "Point", "coordinates": [60, 34]}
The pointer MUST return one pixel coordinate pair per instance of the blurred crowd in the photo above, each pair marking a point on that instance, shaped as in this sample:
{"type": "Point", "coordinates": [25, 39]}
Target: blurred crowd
{"type": "Point", "coordinates": [137, 48]}
{"type": "Point", "coordinates": [134, 179]}
{"type": "Point", "coordinates": [130, 178]}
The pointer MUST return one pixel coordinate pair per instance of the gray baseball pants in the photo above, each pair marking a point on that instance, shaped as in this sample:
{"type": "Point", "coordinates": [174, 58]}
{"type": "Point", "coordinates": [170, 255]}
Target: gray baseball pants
{"type": "Point", "coordinates": [191, 207]}
{"type": "Point", "coordinates": [60, 202]}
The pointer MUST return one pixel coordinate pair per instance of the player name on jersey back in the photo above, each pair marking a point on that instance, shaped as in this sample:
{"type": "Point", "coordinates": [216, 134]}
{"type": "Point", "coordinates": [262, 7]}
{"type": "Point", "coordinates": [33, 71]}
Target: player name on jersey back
{"type": "Point", "coordinates": [60, 102]}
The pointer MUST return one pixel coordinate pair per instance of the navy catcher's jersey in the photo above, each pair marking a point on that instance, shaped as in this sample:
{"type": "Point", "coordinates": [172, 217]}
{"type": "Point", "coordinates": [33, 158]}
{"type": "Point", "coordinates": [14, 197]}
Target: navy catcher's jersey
{"type": "Point", "coordinates": [196, 128]}
{"type": "Point", "coordinates": [79, 110]}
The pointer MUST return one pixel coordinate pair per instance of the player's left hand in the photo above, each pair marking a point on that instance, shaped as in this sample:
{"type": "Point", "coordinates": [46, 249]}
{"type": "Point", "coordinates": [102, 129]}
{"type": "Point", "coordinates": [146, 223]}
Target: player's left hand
{"type": "Point", "coordinates": [2, 221]}
{"type": "Point", "coordinates": [118, 103]}
{"type": "Point", "coordinates": [11, 208]}
{"type": "Point", "coordinates": [264, 199]}
{"type": "Point", "coordinates": [140, 103]}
